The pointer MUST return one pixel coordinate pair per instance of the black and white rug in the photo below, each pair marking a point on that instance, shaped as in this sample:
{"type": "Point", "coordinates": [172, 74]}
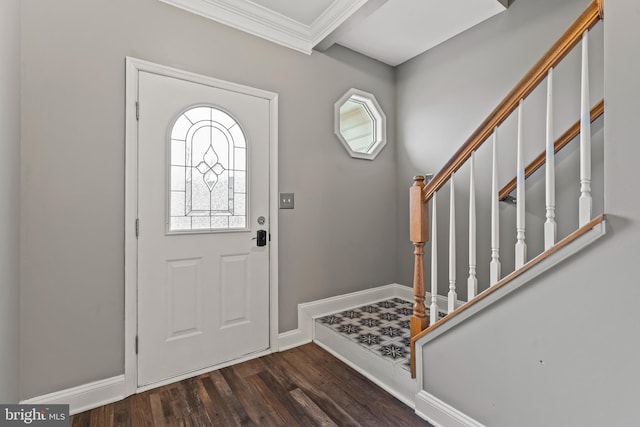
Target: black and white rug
{"type": "Point", "coordinates": [382, 327]}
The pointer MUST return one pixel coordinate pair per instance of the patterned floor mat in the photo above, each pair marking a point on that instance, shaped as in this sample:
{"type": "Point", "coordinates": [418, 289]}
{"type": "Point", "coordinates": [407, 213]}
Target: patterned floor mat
{"type": "Point", "coordinates": [382, 327]}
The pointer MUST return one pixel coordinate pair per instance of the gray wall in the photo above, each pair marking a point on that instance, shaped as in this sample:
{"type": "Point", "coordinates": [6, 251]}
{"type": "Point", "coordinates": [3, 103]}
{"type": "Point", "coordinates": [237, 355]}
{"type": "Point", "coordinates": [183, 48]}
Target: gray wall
{"type": "Point", "coordinates": [9, 199]}
{"type": "Point", "coordinates": [445, 93]}
{"type": "Point", "coordinates": [339, 239]}
{"type": "Point", "coordinates": [564, 350]}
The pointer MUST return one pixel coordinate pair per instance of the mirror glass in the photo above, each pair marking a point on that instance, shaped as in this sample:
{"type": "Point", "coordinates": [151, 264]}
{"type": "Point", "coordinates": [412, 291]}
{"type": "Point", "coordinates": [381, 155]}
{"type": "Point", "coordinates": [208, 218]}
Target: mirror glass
{"type": "Point", "coordinates": [357, 126]}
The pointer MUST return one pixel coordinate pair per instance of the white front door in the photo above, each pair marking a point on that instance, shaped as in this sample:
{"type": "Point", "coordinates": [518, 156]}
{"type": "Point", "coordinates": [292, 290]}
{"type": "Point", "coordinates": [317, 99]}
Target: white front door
{"type": "Point", "coordinates": [203, 196]}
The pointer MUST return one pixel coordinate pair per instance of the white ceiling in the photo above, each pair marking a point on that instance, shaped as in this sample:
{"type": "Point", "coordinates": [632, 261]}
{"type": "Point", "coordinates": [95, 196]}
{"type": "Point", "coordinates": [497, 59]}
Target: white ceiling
{"type": "Point", "coordinates": [401, 29]}
{"type": "Point", "coordinates": [391, 31]}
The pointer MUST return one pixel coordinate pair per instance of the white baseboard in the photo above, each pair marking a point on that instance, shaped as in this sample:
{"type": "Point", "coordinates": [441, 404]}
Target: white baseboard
{"type": "Point", "coordinates": [441, 414]}
{"type": "Point", "coordinates": [291, 339]}
{"type": "Point", "coordinates": [86, 396]}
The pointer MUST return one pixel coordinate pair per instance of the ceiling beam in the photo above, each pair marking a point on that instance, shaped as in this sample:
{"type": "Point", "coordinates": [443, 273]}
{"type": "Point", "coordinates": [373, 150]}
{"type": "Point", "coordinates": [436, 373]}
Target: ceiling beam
{"type": "Point", "coordinates": [351, 22]}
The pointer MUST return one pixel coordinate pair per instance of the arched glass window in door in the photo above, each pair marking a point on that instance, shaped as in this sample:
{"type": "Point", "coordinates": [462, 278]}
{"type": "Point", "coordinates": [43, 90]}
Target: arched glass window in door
{"type": "Point", "coordinates": [208, 169]}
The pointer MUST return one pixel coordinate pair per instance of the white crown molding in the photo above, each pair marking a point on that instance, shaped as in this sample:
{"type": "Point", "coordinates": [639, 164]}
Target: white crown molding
{"type": "Point", "coordinates": [270, 25]}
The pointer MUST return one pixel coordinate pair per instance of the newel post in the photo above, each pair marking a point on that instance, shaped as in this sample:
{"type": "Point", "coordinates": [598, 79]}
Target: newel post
{"type": "Point", "coordinates": [419, 234]}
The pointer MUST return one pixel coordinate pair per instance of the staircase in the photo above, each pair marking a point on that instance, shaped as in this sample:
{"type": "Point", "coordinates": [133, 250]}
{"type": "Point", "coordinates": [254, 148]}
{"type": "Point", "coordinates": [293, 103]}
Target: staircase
{"type": "Point", "coordinates": [533, 195]}
{"type": "Point", "coordinates": [502, 127]}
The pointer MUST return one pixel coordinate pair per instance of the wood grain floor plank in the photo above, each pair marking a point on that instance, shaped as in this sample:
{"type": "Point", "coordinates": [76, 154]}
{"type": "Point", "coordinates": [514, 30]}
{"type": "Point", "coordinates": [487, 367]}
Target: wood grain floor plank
{"type": "Point", "coordinates": [192, 413]}
{"type": "Point", "coordinates": [170, 417]}
{"type": "Point", "coordinates": [218, 415]}
{"type": "Point", "coordinates": [313, 389]}
{"type": "Point", "coordinates": [121, 414]}
{"type": "Point", "coordinates": [193, 402]}
{"type": "Point", "coordinates": [140, 414]}
{"type": "Point", "coordinates": [218, 408]}
{"type": "Point", "coordinates": [280, 388]}
{"type": "Point", "coordinates": [303, 386]}
{"type": "Point", "coordinates": [157, 412]}
{"type": "Point", "coordinates": [82, 419]}
{"type": "Point", "coordinates": [98, 418]}
{"type": "Point", "coordinates": [335, 388]}
{"type": "Point", "coordinates": [229, 400]}
{"type": "Point", "coordinates": [250, 367]}
{"type": "Point", "coordinates": [108, 415]}
{"type": "Point", "coordinates": [315, 413]}
{"type": "Point", "coordinates": [361, 388]}
{"type": "Point", "coordinates": [249, 398]}
{"type": "Point", "coordinates": [273, 403]}
{"type": "Point", "coordinates": [279, 376]}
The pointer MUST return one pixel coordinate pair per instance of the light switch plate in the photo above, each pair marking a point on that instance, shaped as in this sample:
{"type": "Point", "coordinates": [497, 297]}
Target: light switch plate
{"type": "Point", "coordinates": [286, 201]}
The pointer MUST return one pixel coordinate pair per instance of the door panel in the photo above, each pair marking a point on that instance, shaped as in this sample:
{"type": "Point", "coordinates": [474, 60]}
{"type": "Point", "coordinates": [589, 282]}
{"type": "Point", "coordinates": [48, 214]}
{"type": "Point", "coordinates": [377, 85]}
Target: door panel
{"type": "Point", "coordinates": [235, 289]}
{"type": "Point", "coordinates": [184, 285]}
{"type": "Point", "coordinates": [203, 284]}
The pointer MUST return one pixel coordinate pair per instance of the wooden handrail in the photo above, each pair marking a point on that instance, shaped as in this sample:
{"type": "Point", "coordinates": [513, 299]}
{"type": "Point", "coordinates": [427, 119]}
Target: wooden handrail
{"type": "Point", "coordinates": [592, 14]}
{"type": "Point", "coordinates": [564, 139]}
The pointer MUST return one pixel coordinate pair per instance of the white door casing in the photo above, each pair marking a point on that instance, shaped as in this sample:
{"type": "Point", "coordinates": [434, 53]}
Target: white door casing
{"type": "Point", "coordinates": [204, 299]}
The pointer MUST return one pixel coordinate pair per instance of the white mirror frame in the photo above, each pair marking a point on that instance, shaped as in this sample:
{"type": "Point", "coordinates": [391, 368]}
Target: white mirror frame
{"type": "Point", "coordinates": [380, 134]}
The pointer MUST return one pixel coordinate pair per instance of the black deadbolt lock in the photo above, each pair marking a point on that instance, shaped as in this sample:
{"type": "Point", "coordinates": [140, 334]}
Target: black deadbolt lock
{"type": "Point", "coordinates": [262, 238]}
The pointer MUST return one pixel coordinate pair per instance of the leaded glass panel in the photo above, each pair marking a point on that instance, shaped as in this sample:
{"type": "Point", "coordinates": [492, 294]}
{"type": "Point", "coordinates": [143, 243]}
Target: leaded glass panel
{"type": "Point", "coordinates": [208, 169]}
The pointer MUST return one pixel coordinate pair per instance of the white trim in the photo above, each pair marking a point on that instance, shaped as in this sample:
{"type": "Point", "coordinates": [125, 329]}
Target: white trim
{"type": "Point", "coordinates": [130, 240]}
{"type": "Point", "coordinates": [291, 339]}
{"type": "Point", "coordinates": [274, 248]}
{"type": "Point", "coordinates": [309, 311]}
{"type": "Point", "coordinates": [84, 397]}
{"type": "Point", "coordinates": [133, 67]}
{"type": "Point", "coordinates": [441, 414]}
{"type": "Point", "coordinates": [269, 24]}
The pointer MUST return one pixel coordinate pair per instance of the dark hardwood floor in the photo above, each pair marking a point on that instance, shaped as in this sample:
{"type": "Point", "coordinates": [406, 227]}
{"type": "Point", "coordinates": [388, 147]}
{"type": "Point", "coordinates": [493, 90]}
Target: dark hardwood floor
{"type": "Point", "coordinates": [304, 386]}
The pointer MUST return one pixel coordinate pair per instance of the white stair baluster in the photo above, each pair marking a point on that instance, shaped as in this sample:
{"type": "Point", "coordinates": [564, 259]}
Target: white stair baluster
{"type": "Point", "coordinates": [550, 227]}
{"type": "Point", "coordinates": [452, 296]}
{"type": "Point", "coordinates": [585, 202]}
{"type": "Point", "coordinates": [494, 265]}
{"type": "Point", "coordinates": [433, 308]}
{"type": "Point", "coordinates": [521, 246]}
{"type": "Point", "coordinates": [472, 281]}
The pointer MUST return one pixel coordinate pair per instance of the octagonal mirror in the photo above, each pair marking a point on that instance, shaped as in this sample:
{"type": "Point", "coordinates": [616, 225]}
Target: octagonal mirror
{"type": "Point", "coordinates": [360, 124]}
